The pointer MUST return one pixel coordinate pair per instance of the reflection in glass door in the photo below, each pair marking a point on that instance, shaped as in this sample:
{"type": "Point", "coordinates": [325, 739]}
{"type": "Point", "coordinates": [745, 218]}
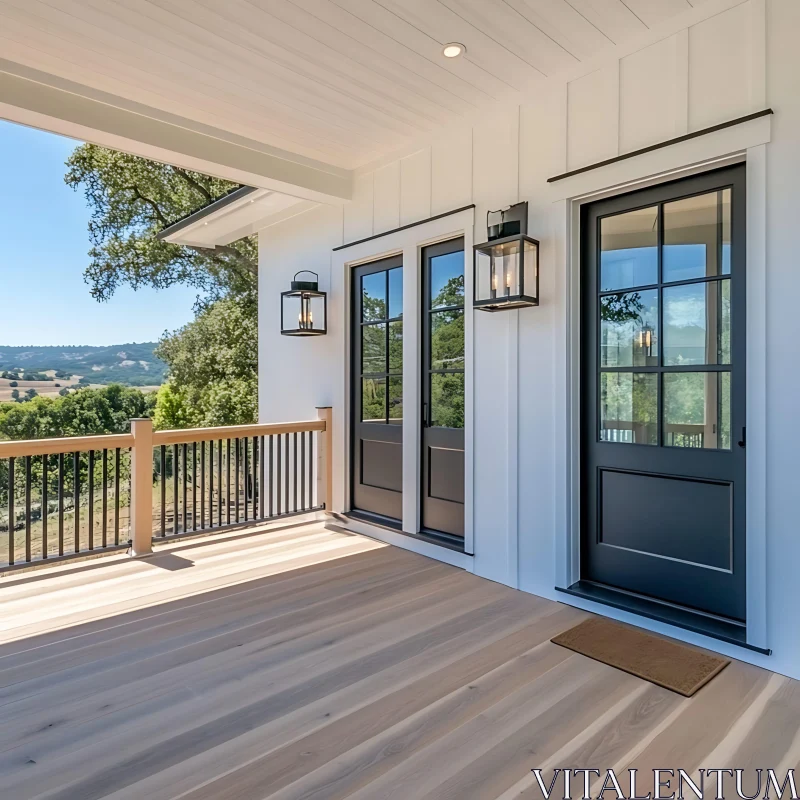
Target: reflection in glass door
{"type": "Point", "coordinates": [663, 362]}
{"type": "Point", "coordinates": [443, 388]}
{"type": "Point", "coordinates": [377, 391]}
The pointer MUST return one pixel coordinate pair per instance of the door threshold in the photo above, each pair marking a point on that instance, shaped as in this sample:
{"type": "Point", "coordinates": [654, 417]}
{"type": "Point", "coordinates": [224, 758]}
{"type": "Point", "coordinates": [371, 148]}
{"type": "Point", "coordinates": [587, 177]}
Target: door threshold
{"type": "Point", "coordinates": [697, 622]}
{"type": "Point", "coordinates": [441, 540]}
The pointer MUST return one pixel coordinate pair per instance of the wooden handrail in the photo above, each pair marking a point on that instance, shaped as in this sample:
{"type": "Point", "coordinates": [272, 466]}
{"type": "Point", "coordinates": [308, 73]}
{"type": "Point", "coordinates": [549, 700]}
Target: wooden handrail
{"type": "Point", "coordinates": [67, 444]}
{"type": "Point", "coordinates": [188, 435]}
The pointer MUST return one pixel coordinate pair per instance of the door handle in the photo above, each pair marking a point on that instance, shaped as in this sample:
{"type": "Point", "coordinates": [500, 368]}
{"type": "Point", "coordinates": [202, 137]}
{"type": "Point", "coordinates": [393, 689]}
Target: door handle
{"type": "Point", "coordinates": [424, 415]}
{"type": "Point", "coordinates": [743, 441]}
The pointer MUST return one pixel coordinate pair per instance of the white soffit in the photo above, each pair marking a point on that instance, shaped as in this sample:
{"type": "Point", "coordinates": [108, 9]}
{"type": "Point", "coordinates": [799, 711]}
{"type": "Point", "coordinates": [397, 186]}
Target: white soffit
{"type": "Point", "coordinates": [252, 210]}
{"type": "Point", "coordinates": [342, 82]}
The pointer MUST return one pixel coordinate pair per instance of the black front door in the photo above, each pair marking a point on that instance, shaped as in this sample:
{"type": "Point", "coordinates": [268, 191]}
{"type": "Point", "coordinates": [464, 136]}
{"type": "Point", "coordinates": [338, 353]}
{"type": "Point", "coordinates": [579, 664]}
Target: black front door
{"type": "Point", "coordinates": [663, 393]}
{"type": "Point", "coordinates": [377, 390]}
{"type": "Point", "coordinates": [443, 388]}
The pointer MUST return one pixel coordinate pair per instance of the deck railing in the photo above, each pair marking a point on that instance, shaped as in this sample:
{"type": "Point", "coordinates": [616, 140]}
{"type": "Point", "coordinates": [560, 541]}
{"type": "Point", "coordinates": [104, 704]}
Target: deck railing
{"type": "Point", "coordinates": [65, 497]}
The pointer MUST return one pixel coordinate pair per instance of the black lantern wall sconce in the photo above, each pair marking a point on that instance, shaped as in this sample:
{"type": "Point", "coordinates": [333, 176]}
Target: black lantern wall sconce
{"type": "Point", "coordinates": [304, 308]}
{"type": "Point", "coordinates": [507, 265]}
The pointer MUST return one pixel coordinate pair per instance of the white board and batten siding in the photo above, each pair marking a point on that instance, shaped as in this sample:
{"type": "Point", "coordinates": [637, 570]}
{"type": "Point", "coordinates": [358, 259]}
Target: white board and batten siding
{"type": "Point", "coordinates": [733, 59]}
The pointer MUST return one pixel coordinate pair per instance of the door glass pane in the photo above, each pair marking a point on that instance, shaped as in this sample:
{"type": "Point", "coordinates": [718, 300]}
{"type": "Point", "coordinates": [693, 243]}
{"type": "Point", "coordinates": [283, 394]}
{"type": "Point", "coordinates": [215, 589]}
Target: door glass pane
{"type": "Point", "coordinates": [629, 329]}
{"type": "Point", "coordinates": [697, 236]}
{"type": "Point", "coordinates": [447, 280]}
{"type": "Point", "coordinates": [697, 410]}
{"type": "Point", "coordinates": [724, 300]}
{"type": "Point", "coordinates": [447, 400]}
{"type": "Point", "coordinates": [697, 323]}
{"type": "Point", "coordinates": [724, 442]}
{"type": "Point", "coordinates": [447, 339]}
{"type": "Point", "coordinates": [396, 292]}
{"type": "Point", "coordinates": [373, 400]}
{"type": "Point", "coordinates": [629, 407]}
{"type": "Point", "coordinates": [726, 231]}
{"type": "Point", "coordinates": [373, 296]}
{"type": "Point", "coordinates": [395, 399]}
{"type": "Point", "coordinates": [629, 250]}
{"type": "Point", "coordinates": [373, 347]}
{"type": "Point", "coordinates": [396, 346]}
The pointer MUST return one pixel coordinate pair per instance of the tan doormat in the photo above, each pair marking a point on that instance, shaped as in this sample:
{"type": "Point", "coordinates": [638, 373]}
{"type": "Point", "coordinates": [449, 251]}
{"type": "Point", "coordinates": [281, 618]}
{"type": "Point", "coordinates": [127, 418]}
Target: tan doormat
{"type": "Point", "coordinates": [666, 663]}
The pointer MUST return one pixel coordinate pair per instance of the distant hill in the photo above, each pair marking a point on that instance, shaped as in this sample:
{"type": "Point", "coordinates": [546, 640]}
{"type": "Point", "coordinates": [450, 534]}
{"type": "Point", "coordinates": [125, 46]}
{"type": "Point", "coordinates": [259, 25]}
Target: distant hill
{"type": "Point", "coordinates": [132, 364]}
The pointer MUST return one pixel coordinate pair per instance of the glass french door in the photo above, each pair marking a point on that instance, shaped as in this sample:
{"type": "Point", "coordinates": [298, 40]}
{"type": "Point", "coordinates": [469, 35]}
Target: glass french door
{"type": "Point", "coordinates": [663, 393]}
{"type": "Point", "coordinates": [443, 367]}
{"type": "Point", "coordinates": [377, 388]}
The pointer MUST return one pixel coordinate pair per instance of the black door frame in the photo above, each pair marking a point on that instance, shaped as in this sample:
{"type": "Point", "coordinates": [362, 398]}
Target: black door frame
{"type": "Point", "coordinates": [444, 518]}
{"type": "Point", "coordinates": [587, 364]}
{"type": "Point", "coordinates": [393, 434]}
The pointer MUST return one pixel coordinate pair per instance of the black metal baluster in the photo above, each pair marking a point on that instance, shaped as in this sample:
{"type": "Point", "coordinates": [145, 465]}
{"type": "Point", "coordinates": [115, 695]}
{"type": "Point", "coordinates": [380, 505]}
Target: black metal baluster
{"type": "Point", "coordinates": [202, 485]}
{"type": "Point", "coordinates": [238, 482]}
{"type": "Point", "coordinates": [219, 483]}
{"type": "Point", "coordinates": [104, 526]}
{"type": "Point", "coordinates": [117, 465]}
{"type": "Point", "coordinates": [91, 500]}
{"type": "Point", "coordinates": [185, 478]}
{"type": "Point", "coordinates": [11, 512]}
{"type": "Point", "coordinates": [228, 483]}
{"type": "Point", "coordinates": [246, 478]}
{"type": "Point", "coordinates": [76, 498]}
{"type": "Point", "coordinates": [286, 477]}
{"type": "Point", "coordinates": [163, 487]}
{"type": "Point", "coordinates": [175, 489]}
{"type": "Point", "coordinates": [278, 488]}
{"type": "Point", "coordinates": [311, 500]}
{"type": "Point", "coordinates": [60, 498]}
{"type": "Point", "coordinates": [194, 487]}
{"type": "Point", "coordinates": [271, 473]}
{"type": "Point", "coordinates": [27, 508]}
{"type": "Point", "coordinates": [45, 465]}
{"type": "Point", "coordinates": [303, 470]}
{"type": "Point", "coordinates": [261, 474]}
{"type": "Point", "coordinates": [211, 484]}
{"type": "Point", "coordinates": [294, 473]}
{"type": "Point", "coordinates": [255, 477]}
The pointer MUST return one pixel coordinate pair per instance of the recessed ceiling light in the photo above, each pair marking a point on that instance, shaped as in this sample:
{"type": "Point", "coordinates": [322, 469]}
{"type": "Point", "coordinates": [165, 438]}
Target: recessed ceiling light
{"type": "Point", "coordinates": [453, 50]}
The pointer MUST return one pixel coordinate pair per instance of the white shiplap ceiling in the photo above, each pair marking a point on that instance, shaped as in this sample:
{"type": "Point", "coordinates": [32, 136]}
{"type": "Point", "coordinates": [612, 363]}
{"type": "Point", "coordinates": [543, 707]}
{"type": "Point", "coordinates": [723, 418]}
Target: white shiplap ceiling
{"type": "Point", "coordinates": [340, 81]}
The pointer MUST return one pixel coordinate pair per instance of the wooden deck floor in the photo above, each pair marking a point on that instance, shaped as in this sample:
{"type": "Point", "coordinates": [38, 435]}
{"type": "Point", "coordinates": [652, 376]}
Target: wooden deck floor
{"type": "Point", "coordinates": [303, 663]}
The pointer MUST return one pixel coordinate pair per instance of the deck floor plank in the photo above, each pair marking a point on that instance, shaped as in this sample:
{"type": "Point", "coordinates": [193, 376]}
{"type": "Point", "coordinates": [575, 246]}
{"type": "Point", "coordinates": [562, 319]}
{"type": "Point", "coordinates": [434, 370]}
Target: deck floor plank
{"type": "Point", "coordinates": [296, 663]}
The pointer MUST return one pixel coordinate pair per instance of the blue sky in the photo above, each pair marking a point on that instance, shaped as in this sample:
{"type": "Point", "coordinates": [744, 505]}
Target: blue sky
{"type": "Point", "coordinates": [44, 253]}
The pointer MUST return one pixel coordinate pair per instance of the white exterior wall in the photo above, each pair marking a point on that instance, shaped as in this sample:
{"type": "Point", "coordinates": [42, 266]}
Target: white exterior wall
{"type": "Point", "coordinates": [733, 59]}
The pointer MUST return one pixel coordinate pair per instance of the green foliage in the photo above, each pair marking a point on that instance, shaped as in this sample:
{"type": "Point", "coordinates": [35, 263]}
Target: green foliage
{"type": "Point", "coordinates": [15, 393]}
{"type": "Point", "coordinates": [131, 200]}
{"type": "Point", "coordinates": [88, 412]}
{"type": "Point", "coordinates": [172, 409]}
{"type": "Point", "coordinates": [14, 384]}
{"type": "Point", "coordinates": [212, 360]}
{"type": "Point", "coordinates": [213, 366]}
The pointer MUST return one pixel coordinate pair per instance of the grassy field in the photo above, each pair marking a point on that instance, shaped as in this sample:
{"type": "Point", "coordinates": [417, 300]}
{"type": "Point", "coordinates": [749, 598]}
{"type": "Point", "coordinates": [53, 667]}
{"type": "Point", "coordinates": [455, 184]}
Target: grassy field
{"type": "Point", "coordinates": [50, 389]}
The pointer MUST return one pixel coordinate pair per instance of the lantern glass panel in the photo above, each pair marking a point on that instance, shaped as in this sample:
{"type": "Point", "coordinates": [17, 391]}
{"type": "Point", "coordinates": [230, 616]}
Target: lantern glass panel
{"type": "Point", "coordinates": [530, 266]}
{"type": "Point", "coordinates": [303, 311]}
{"type": "Point", "coordinates": [497, 273]}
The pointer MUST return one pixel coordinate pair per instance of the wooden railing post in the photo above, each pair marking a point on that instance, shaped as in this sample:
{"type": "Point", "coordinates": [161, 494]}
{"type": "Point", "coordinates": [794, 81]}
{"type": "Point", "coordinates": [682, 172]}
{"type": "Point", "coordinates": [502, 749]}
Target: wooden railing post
{"type": "Point", "coordinates": [325, 460]}
{"type": "Point", "coordinates": [142, 487]}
